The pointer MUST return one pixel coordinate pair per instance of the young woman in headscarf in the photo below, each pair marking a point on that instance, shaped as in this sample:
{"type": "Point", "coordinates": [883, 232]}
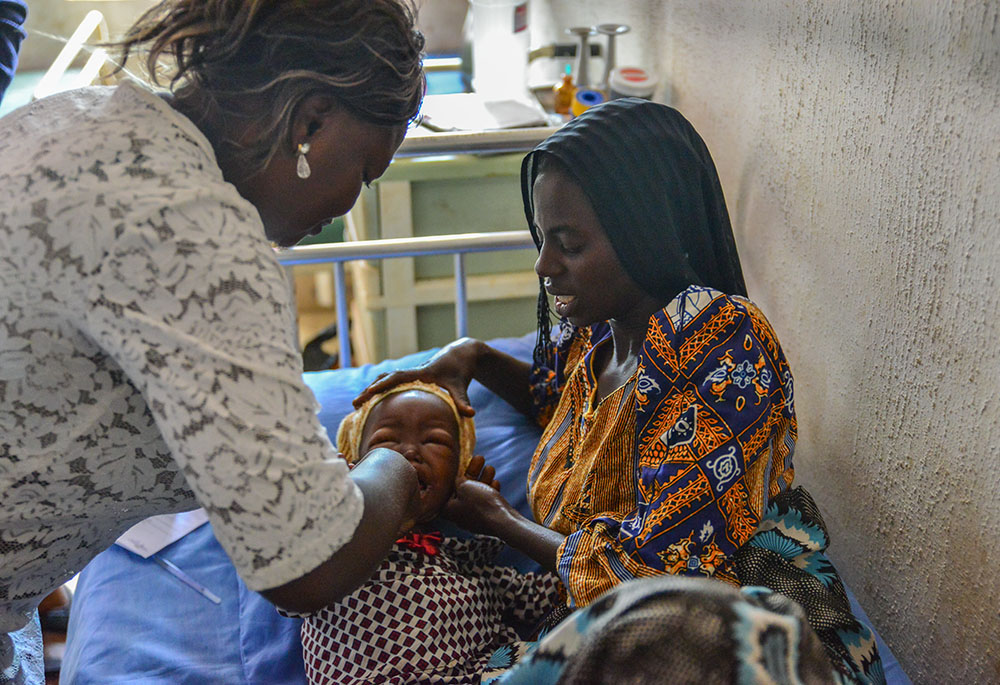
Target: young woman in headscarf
{"type": "Point", "coordinates": [148, 361]}
{"type": "Point", "coordinates": [666, 399]}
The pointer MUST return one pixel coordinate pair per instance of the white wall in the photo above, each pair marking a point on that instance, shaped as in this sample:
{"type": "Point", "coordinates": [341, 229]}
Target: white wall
{"type": "Point", "coordinates": [442, 22]}
{"type": "Point", "coordinates": [51, 22]}
{"type": "Point", "coordinates": [859, 147]}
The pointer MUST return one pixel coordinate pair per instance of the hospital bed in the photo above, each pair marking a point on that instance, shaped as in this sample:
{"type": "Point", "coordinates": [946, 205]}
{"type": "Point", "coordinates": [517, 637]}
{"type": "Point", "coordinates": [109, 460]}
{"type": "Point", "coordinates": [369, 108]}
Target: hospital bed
{"type": "Point", "coordinates": [131, 622]}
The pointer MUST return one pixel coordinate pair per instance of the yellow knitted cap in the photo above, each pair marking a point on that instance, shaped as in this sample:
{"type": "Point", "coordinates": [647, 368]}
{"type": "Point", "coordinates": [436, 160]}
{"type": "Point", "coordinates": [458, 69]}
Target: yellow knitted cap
{"type": "Point", "coordinates": [353, 425]}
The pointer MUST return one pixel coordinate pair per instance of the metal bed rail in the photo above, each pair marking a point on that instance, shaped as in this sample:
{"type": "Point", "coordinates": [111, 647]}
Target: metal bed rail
{"type": "Point", "coordinates": [474, 142]}
{"type": "Point", "coordinates": [458, 245]}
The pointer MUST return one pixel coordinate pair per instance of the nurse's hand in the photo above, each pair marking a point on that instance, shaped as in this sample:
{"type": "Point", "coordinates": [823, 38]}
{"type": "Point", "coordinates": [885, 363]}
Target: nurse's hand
{"type": "Point", "coordinates": [388, 483]}
{"type": "Point", "coordinates": [411, 501]}
{"type": "Point", "coordinates": [453, 367]}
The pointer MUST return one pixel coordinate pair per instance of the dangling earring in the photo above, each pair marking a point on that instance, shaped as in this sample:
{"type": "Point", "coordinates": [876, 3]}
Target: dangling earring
{"type": "Point", "coordinates": [302, 166]}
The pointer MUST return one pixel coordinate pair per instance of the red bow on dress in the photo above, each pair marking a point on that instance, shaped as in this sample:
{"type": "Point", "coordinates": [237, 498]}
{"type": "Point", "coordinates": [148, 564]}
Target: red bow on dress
{"type": "Point", "coordinates": [428, 543]}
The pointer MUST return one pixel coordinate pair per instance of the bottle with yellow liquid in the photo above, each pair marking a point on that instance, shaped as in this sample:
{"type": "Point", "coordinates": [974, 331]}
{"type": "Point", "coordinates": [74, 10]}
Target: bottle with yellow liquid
{"type": "Point", "coordinates": [564, 92]}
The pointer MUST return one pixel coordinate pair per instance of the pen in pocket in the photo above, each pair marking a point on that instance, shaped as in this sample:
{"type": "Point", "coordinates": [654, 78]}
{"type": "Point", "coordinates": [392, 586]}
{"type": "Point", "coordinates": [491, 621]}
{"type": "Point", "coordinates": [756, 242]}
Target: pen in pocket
{"type": "Point", "coordinates": [186, 579]}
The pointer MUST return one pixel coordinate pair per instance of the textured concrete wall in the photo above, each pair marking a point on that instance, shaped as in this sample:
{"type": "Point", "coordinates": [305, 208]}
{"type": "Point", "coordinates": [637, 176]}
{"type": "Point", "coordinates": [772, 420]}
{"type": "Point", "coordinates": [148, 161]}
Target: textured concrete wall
{"type": "Point", "coordinates": [859, 147]}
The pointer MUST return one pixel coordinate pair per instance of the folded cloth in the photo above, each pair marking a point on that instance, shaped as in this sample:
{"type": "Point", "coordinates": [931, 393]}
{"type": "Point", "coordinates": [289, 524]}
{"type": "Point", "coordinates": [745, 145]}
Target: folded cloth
{"type": "Point", "coordinates": [679, 629]}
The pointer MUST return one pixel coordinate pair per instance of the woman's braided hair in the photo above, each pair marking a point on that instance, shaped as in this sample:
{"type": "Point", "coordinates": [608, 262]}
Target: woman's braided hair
{"type": "Point", "coordinates": [234, 57]}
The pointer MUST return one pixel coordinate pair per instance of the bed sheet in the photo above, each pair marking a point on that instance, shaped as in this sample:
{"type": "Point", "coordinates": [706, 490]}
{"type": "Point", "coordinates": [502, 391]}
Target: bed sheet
{"type": "Point", "coordinates": [133, 623]}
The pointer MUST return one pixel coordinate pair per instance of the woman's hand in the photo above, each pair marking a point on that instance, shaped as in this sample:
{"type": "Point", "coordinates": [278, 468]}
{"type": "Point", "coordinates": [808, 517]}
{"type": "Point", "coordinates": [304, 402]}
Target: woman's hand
{"type": "Point", "coordinates": [477, 507]}
{"type": "Point", "coordinates": [478, 470]}
{"type": "Point", "coordinates": [476, 503]}
{"type": "Point", "coordinates": [453, 368]}
{"type": "Point", "coordinates": [391, 492]}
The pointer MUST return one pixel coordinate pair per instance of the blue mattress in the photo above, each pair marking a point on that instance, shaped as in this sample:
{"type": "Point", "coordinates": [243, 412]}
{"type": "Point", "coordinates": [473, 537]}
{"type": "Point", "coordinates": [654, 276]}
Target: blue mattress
{"type": "Point", "coordinates": [131, 622]}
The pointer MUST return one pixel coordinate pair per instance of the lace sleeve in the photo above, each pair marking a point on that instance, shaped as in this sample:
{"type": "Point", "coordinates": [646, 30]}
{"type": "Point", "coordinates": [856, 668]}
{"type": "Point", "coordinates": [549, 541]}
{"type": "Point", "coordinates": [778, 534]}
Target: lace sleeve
{"type": "Point", "coordinates": [202, 328]}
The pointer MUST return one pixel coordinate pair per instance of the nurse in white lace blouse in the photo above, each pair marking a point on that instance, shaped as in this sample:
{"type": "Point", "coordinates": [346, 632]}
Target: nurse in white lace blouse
{"type": "Point", "coordinates": [147, 355]}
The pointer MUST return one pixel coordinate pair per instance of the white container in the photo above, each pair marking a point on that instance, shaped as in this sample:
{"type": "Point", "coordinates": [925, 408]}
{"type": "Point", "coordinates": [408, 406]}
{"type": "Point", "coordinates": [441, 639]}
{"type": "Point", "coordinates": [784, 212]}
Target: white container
{"type": "Point", "coordinates": [500, 43]}
{"type": "Point", "coordinates": [631, 82]}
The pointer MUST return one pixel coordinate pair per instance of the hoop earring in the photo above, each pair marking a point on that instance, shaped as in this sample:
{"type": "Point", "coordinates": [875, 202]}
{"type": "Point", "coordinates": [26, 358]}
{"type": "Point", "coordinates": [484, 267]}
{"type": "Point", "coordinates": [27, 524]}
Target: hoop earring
{"type": "Point", "coordinates": [302, 165]}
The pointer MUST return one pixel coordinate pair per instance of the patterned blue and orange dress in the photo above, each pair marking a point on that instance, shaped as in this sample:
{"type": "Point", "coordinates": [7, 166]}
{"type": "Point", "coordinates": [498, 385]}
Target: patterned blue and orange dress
{"type": "Point", "coordinates": [686, 468]}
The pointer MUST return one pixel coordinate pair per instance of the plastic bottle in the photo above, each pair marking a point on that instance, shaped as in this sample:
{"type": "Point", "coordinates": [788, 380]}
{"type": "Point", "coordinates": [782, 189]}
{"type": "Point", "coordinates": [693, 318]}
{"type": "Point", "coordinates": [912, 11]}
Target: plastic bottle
{"type": "Point", "coordinates": [564, 93]}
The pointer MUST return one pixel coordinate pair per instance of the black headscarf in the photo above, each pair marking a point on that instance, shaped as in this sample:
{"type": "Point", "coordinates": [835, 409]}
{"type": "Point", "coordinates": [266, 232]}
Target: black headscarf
{"type": "Point", "coordinates": [654, 187]}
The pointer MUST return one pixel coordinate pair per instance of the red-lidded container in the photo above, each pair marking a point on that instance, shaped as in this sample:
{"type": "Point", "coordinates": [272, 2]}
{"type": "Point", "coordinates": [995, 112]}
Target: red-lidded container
{"type": "Point", "coordinates": [631, 82]}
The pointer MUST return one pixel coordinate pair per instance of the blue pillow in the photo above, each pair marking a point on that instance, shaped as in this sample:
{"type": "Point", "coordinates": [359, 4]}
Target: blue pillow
{"type": "Point", "coordinates": [505, 437]}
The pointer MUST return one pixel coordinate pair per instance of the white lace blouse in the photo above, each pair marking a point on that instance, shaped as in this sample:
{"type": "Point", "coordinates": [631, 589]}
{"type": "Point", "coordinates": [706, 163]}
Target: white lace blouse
{"type": "Point", "coordinates": [147, 360]}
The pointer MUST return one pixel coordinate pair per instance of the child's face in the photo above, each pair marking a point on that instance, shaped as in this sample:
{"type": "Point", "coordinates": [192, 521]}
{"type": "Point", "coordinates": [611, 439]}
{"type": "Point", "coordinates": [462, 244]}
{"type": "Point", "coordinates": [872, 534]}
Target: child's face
{"type": "Point", "coordinates": [422, 427]}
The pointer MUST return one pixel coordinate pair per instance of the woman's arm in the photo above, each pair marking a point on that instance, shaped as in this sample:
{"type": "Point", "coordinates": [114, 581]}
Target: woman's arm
{"type": "Point", "coordinates": [458, 364]}
{"type": "Point", "coordinates": [504, 375]}
{"type": "Point", "coordinates": [389, 485]}
{"type": "Point", "coordinates": [480, 508]}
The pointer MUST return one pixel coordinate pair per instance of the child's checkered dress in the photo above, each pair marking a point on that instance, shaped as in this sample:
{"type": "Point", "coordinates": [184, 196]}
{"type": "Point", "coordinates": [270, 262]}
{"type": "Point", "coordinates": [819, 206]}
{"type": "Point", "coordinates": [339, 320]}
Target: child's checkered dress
{"type": "Point", "coordinates": [434, 612]}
